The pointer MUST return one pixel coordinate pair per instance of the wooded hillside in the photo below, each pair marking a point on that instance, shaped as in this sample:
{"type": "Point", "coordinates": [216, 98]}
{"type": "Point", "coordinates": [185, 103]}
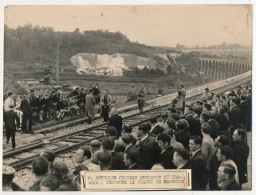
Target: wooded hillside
{"type": "Point", "coordinates": [34, 44]}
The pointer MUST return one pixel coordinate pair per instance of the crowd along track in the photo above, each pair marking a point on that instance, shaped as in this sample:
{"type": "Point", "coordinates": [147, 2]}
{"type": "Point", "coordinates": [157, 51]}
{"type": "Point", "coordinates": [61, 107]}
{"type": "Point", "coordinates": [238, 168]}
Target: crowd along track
{"type": "Point", "coordinates": [23, 156]}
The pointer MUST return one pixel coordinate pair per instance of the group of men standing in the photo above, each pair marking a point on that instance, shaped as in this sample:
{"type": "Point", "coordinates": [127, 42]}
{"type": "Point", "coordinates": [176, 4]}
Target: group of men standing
{"type": "Point", "coordinates": [11, 119]}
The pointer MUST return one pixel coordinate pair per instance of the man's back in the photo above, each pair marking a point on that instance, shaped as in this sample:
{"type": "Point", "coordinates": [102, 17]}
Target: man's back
{"type": "Point", "coordinates": [149, 152]}
{"type": "Point", "coordinates": [117, 160]}
{"type": "Point", "coordinates": [117, 122]}
{"type": "Point", "coordinates": [25, 106]}
{"type": "Point", "coordinates": [199, 171]}
{"type": "Point", "coordinates": [235, 116]}
{"type": "Point", "coordinates": [9, 119]}
{"type": "Point", "coordinates": [166, 158]}
{"type": "Point", "coordinates": [194, 125]}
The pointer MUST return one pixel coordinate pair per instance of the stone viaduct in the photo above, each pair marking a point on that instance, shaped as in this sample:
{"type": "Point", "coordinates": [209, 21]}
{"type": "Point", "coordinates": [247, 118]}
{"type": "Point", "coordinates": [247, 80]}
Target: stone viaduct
{"type": "Point", "coordinates": [217, 69]}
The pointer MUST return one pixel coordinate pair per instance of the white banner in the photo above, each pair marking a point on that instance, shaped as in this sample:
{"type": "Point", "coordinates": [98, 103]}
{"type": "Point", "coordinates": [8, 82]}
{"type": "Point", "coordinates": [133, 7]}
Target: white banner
{"type": "Point", "coordinates": [176, 179]}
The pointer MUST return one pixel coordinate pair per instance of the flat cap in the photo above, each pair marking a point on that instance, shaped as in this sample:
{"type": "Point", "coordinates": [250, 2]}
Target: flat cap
{"type": "Point", "coordinates": [8, 170]}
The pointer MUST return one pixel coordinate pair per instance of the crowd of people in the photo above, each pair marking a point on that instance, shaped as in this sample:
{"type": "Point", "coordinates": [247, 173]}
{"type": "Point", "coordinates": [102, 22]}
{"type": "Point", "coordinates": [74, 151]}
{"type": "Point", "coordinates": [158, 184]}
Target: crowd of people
{"type": "Point", "coordinates": [208, 136]}
{"type": "Point", "coordinates": [32, 108]}
{"type": "Point", "coordinates": [48, 106]}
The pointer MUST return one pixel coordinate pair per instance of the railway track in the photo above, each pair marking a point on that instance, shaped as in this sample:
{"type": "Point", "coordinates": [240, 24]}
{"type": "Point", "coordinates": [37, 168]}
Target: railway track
{"type": "Point", "coordinates": [23, 156]}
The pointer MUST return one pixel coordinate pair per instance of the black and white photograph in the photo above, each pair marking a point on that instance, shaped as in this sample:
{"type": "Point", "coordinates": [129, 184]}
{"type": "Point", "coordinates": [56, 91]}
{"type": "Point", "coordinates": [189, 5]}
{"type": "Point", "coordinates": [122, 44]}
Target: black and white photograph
{"type": "Point", "coordinates": [127, 97]}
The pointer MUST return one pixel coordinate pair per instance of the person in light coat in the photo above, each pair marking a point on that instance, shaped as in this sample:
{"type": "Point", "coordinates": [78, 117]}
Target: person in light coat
{"type": "Point", "coordinates": [90, 103]}
{"type": "Point", "coordinates": [106, 104]}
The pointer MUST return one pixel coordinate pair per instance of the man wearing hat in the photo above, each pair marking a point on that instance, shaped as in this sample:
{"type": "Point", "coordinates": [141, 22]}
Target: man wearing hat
{"type": "Point", "coordinates": [8, 175]}
{"type": "Point", "coordinates": [9, 120]}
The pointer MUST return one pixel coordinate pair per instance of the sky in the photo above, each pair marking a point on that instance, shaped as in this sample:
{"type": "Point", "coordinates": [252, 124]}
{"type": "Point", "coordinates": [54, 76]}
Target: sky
{"type": "Point", "coordinates": [156, 25]}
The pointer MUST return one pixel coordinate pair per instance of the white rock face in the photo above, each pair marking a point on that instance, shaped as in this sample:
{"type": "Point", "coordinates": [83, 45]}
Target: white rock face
{"type": "Point", "coordinates": [83, 61]}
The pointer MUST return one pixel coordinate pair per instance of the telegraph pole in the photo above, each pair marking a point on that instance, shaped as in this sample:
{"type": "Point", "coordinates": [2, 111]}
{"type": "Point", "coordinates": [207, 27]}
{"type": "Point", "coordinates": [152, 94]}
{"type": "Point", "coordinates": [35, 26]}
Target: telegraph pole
{"type": "Point", "coordinates": [57, 66]}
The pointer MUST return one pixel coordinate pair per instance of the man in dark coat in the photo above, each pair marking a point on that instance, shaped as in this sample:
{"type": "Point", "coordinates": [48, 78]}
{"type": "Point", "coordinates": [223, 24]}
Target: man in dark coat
{"type": "Point", "coordinates": [131, 160]}
{"type": "Point", "coordinates": [181, 158]}
{"type": "Point", "coordinates": [128, 129]}
{"type": "Point", "coordinates": [155, 127]}
{"type": "Point", "coordinates": [116, 121]}
{"type": "Point", "coordinates": [194, 125]}
{"type": "Point", "coordinates": [148, 148]}
{"type": "Point", "coordinates": [117, 157]}
{"type": "Point", "coordinates": [235, 114]}
{"type": "Point", "coordinates": [245, 109]}
{"type": "Point", "coordinates": [33, 103]}
{"type": "Point", "coordinates": [214, 163]}
{"type": "Point", "coordinates": [198, 164]}
{"type": "Point", "coordinates": [127, 142]}
{"type": "Point", "coordinates": [240, 154]}
{"type": "Point", "coordinates": [166, 156]}
{"type": "Point", "coordinates": [9, 120]}
{"type": "Point", "coordinates": [25, 107]}
{"type": "Point", "coordinates": [183, 134]}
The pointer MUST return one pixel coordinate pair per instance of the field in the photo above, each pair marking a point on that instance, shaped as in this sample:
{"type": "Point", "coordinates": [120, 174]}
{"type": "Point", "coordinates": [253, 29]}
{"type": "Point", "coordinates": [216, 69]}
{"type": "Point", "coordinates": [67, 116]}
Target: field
{"type": "Point", "coordinates": [121, 88]}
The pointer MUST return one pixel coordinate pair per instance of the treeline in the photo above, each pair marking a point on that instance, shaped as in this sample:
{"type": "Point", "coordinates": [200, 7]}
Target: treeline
{"type": "Point", "coordinates": [38, 44]}
{"type": "Point", "coordinates": [149, 72]}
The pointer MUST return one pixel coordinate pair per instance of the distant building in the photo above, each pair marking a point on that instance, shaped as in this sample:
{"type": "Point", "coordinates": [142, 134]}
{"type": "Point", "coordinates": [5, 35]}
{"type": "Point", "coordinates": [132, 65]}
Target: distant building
{"type": "Point", "coordinates": [28, 84]}
{"type": "Point", "coordinates": [140, 67]}
{"type": "Point", "coordinates": [23, 81]}
{"type": "Point", "coordinates": [91, 71]}
{"type": "Point", "coordinates": [117, 72]}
